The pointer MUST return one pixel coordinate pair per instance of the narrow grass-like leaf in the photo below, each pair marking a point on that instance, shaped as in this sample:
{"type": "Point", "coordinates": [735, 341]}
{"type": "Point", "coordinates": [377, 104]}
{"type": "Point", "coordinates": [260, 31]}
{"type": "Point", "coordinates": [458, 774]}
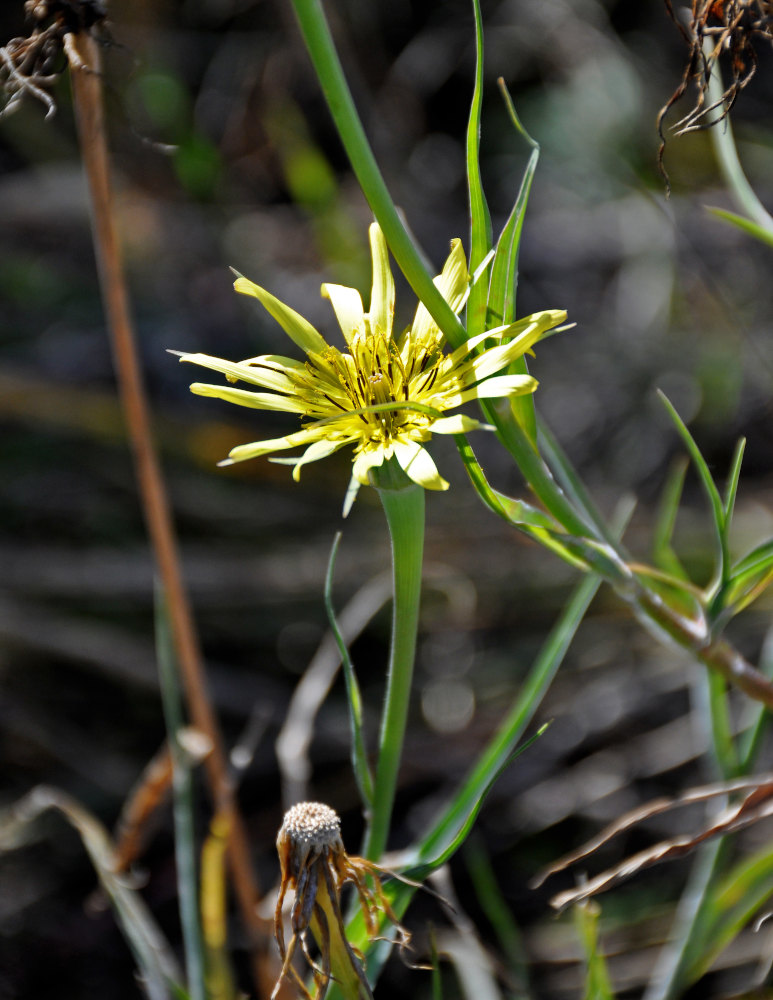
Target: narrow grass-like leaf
{"type": "Point", "coordinates": [751, 740]}
{"type": "Point", "coordinates": [749, 578]}
{"type": "Point", "coordinates": [583, 553]}
{"type": "Point", "coordinates": [723, 744]}
{"type": "Point", "coordinates": [496, 909]}
{"type": "Point", "coordinates": [757, 805]}
{"type": "Point", "coordinates": [480, 221]}
{"type": "Point", "coordinates": [155, 960]}
{"type": "Point", "coordinates": [214, 911]}
{"type": "Point", "coordinates": [662, 549]}
{"type": "Point", "coordinates": [182, 797]}
{"type": "Point", "coordinates": [712, 493]}
{"type": "Point", "coordinates": [360, 766]}
{"type": "Point", "coordinates": [597, 982]}
{"type": "Point", "coordinates": [566, 474]}
{"type": "Point", "coordinates": [732, 480]}
{"type": "Point", "coordinates": [503, 285]}
{"type": "Point", "coordinates": [740, 894]}
{"type": "Point", "coordinates": [752, 228]}
{"type": "Point", "coordinates": [517, 719]}
{"type": "Point", "coordinates": [431, 861]}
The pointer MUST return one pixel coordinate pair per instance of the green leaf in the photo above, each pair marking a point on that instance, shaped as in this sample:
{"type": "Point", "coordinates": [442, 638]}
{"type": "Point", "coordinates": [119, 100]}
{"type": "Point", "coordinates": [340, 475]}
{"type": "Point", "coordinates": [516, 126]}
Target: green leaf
{"type": "Point", "coordinates": [360, 765]}
{"type": "Point", "coordinates": [503, 285]}
{"type": "Point", "coordinates": [517, 719]}
{"type": "Point", "coordinates": [494, 905]}
{"type": "Point", "coordinates": [751, 740]}
{"type": "Point", "coordinates": [480, 221]}
{"type": "Point", "coordinates": [752, 228]}
{"type": "Point", "coordinates": [431, 861]}
{"type": "Point", "coordinates": [732, 481]}
{"type": "Point", "coordinates": [730, 906]}
{"type": "Point", "coordinates": [723, 745]}
{"type": "Point", "coordinates": [715, 501]}
{"type": "Point", "coordinates": [327, 66]}
{"type": "Point", "coordinates": [573, 487]}
{"type": "Point", "coordinates": [663, 553]}
{"type": "Point", "coordinates": [152, 953]}
{"type": "Point", "coordinates": [747, 580]}
{"type": "Point", "coordinates": [582, 553]}
{"type": "Point", "coordinates": [597, 982]}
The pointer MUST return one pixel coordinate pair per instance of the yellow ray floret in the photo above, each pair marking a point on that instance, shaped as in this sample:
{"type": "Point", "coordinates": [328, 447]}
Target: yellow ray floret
{"type": "Point", "coordinates": [385, 395]}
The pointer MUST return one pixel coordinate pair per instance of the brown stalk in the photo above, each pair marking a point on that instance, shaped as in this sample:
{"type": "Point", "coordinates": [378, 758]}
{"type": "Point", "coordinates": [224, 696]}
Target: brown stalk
{"type": "Point", "coordinates": [83, 58]}
{"type": "Point", "coordinates": [755, 806]}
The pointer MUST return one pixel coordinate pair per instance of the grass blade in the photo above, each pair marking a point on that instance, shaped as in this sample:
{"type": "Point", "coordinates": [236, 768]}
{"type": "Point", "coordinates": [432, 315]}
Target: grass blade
{"type": "Point", "coordinates": [156, 963]}
{"type": "Point", "coordinates": [743, 890]}
{"type": "Point", "coordinates": [732, 480]}
{"type": "Point", "coordinates": [214, 912]}
{"type": "Point", "coordinates": [503, 285]}
{"type": "Point", "coordinates": [710, 488]}
{"type": "Point", "coordinates": [761, 233]}
{"type": "Point", "coordinates": [480, 220]}
{"type": "Point", "coordinates": [360, 766]}
{"type": "Point", "coordinates": [663, 553]}
{"type": "Point", "coordinates": [597, 982]}
{"type": "Point", "coordinates": [514, 724]}
{"type": "Point", "coordinates": [496, 909]}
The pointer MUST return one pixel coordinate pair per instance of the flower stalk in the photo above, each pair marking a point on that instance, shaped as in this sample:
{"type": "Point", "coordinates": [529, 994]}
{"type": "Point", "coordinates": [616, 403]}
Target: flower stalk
{"type": "Point", "coordinates": [403, 504]}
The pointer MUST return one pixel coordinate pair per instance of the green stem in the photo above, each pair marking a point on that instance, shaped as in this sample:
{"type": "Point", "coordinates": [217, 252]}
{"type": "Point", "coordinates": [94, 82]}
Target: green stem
{"type": "Point", "coordinates": [403, 503]}
{"type": "Point", "coordinates": [726, 152]}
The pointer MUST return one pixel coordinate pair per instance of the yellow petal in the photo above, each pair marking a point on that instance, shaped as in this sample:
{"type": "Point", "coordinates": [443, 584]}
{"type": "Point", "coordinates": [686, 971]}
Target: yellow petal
{"type": "Point", "coordinates": [453, 284]}
{"type": "Point", "coordinates": [268, 377]}
{"type": "Point", "coordinates": [458, 423]}
{"type": "Point", "coordinates": [316, 451]}
{"type": "Point", "coordinates": [298, 329]}
{"type": "Point", "coordinates": [255, 400]}
{"type": "Point", "coordinates": [257, 448]}
{"type": "Point", "coordinates": [365, 461]}
{"type": "Point", "coordinates": [493, 388]}
{"type": "Point", "coordinates": [348, 309]}
{"type": "Point", "coordinates": [382, 296]}
{"type": "Point", "coordinates": [417, 464]}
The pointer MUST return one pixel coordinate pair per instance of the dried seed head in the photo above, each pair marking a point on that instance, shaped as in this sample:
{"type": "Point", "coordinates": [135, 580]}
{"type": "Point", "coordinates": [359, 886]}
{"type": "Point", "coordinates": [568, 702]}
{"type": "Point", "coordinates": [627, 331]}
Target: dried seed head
{"type": "Point", "coordinates": [316, 866]}
{"type": "Point", "coordinates": [310, 830]}
{"type": "Point", "coordinates": [312, 824]}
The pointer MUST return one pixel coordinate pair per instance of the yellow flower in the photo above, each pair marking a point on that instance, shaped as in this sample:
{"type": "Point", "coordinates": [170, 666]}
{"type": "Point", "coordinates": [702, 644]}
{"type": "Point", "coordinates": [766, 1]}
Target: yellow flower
{"type": "Point", "coordinates": [315, 865]}
{"type": "Point", "coordinates": [386, 394]}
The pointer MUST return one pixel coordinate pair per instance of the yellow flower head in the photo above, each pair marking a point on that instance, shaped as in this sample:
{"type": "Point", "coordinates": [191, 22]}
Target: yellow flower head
{"type": "Point", "coordinates": [385, 395]}
{"type": "Point", "coordinates": [315, 865]}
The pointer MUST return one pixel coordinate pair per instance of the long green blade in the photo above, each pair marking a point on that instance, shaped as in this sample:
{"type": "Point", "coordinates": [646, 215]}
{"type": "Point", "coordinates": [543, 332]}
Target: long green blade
{"type": "Point", "coordinates": [480, 220]}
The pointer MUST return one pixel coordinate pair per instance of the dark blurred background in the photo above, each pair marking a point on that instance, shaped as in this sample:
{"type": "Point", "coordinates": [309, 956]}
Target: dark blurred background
{"type": "Point", "coordinates": [224, 155]}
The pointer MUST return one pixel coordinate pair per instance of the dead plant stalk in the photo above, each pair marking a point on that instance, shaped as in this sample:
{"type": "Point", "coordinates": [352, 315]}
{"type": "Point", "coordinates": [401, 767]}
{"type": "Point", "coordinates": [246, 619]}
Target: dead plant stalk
{"type": "Point", "coordinates": [87, 91]}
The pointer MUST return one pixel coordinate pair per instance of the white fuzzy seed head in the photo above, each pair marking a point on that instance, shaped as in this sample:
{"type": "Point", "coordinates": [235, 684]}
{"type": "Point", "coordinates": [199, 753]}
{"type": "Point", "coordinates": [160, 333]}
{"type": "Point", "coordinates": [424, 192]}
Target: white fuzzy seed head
{"type": "Point", "coordinates": [311, 825]}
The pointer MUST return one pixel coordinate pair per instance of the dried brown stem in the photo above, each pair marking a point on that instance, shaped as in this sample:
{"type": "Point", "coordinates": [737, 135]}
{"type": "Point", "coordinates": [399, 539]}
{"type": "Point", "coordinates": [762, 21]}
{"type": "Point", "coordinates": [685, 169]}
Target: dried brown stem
{"type": "Point", "coordinates": [89, 111]}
